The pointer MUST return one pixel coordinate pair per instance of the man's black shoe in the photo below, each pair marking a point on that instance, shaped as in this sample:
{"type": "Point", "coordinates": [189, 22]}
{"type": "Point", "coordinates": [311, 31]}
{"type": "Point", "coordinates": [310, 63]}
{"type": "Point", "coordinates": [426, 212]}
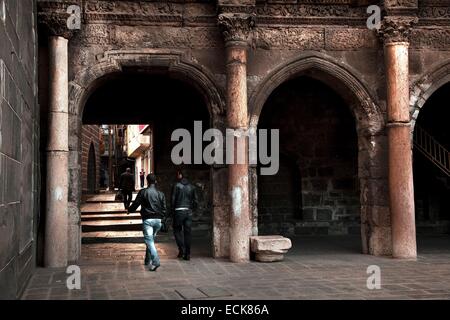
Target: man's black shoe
{"type": "Point", "coordinates": [146, 262]}
{"type": "Point", "coordinates": [180, 255]}
{"type": "Point", "coordinates": [187, 258]}
{"type": "Point", "coordinates": [153, 268]}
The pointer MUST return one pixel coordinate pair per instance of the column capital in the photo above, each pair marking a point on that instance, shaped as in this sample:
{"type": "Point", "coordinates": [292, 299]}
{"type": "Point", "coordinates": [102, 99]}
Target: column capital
{"type": "Point", "coordinates": [58, 17]}
{"type": "Point", "coordinates": [236, 27]}
{"type": "Point", "coordinates": [56, 24]}
{"type": "Point", "coordinates": [396, 29]}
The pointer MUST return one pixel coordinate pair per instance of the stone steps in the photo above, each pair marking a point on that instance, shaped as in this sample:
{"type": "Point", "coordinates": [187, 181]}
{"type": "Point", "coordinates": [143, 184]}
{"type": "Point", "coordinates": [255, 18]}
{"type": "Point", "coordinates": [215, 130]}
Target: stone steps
{"type": "Point", "coordinates": [104, 220]}
{"type": "Point", "coordinates": [110, 212]}
{"type": "Point", "coordinates": [102, 201]}
{"type": "Point", "coordinates": [95, 216]}
{"type": "Point", "coordinates": [111, 225]}
{"type": "Point", "coordinates": [104, 197]}
{"type": "Point", "coordinates": [112, 237]}
{"type": "Point", "coordinates": [102, 207]}
{"type": "Point", "coordinates": [120, 237]}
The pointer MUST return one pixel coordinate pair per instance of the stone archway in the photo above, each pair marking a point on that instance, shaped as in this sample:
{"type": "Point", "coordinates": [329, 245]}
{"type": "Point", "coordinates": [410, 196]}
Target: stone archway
{"type": "Point", "coordinates": [370, 123]}
{"type": "Point", "coordinates": [425, 87]}
{"type": "Point", "coordinates": [172, 63]}
{"type": "Point", "coordinates": [344, 79]}
{"type": "Point", "coordinates": [431, 162]}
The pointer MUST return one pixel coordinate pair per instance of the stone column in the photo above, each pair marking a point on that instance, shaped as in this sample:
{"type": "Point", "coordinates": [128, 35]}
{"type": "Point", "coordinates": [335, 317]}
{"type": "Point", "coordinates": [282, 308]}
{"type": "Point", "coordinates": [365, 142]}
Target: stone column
{"type": "Point", "coordinates": [236, 28]}
{"type": "Point", "coordinates": [56, 214]}
{"type": "Point", "coordinates": [401, 191]}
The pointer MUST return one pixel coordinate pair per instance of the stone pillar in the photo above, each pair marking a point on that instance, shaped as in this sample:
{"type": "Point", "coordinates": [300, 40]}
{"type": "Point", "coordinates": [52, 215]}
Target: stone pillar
{"type": "Point", "coordinates": [401, 191]}
{"type": "Point", "coordinates": [56, 213]}
{"type": "Point", "coordinates": [236, 28]}
{"type": "Point", "coordinates": [57, 155]}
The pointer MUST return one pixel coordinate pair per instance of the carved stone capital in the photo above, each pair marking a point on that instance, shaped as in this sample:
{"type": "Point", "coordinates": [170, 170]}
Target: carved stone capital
{"type": "Point", "coordinates": [56, 24]}
{"type": "Point", "coordinates": [236, 27]}
{"type": "Point", "coordinates": [54, 16]}
{"type": "Point", "coordinates": [396, 28]}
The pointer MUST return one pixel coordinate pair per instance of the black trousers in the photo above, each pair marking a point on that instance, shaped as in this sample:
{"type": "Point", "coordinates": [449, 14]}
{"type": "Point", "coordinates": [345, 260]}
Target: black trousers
{"type": "Point", "coordinates": [127, 197]}
{"type": "Point", "coordinates": [182, 226]}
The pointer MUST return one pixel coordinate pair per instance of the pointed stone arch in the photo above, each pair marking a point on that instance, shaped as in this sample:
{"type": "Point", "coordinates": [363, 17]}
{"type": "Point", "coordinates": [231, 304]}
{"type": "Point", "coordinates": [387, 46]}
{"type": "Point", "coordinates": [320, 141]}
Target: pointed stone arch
{"type": "Point", "coordinates": [343, 78]}
{"type": "Point", "coordinates": [424, 88]}
{"type": "Point", "coordinates": [370, 125]}
{"type": "Point", "coordinates": [174, 64]}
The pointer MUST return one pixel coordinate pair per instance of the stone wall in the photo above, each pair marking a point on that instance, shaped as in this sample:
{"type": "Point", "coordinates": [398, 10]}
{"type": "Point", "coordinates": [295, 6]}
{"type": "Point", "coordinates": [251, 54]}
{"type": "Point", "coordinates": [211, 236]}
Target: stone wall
{"type": "Point", "coordinates": [90, 135]}
{"type": "Point", "coordinates": [19, 139]}
{"type": "Point", "coordinates": [316, 191]}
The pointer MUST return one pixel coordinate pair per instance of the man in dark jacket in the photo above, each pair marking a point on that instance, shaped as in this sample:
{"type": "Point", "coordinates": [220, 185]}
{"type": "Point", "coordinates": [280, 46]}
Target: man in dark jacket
{"type": "Point", "coordinates": [142, 178]}
{"type": "Point", "coordinates": [126, 185]}
{"type": "Point", "coordinates": [184, 200]}
{"type": "Point", "coordinates": [153, 210]}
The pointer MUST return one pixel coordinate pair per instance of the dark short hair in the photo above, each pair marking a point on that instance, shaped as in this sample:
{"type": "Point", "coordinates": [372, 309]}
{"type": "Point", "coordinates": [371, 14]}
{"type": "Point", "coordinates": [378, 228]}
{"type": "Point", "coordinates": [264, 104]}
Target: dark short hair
{"type": "Point", "coordinates": [151, 178]}
{"type": "Point", "coordinates": [180, 172]}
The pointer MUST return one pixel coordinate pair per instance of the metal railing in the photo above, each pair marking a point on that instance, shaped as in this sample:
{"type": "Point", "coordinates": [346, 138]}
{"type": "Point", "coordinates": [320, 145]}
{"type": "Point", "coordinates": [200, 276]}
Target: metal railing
{"type": "Point", "coordinates": [432, 149]}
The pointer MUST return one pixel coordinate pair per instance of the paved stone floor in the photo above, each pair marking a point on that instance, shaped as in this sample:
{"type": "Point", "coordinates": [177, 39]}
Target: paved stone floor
{"type": "Point", "coordinates": [316, 268]}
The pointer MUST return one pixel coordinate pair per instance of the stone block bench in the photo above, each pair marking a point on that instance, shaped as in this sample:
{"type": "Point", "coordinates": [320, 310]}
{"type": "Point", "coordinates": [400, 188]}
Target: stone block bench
{"type": "Point", "coordinates": [269, 248]}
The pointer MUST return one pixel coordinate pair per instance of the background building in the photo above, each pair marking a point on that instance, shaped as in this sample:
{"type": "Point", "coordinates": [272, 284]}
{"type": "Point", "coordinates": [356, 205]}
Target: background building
{"type": "Point", "coordinates": [92, 145]}
{"type": "Point", "coordinates": [113, 156]}
{"type": "Point", "coordinates": [140, 148]}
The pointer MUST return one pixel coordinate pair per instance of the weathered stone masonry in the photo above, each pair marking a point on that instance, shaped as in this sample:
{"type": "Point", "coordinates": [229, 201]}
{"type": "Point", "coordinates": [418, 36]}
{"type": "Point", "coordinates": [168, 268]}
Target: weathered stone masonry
{"type": "Point", "coordinates": [237, 55]}
{"type": "Point", "coordinates": [316, 191]}
{"type": "Point", "coordinates": [19, 145]}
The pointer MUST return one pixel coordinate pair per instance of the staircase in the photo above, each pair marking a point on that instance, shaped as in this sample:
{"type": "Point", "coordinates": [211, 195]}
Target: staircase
{"type": "Point", "coordinates": [432, 149]}
{"type": "Point", "coordinates": [104, 220]}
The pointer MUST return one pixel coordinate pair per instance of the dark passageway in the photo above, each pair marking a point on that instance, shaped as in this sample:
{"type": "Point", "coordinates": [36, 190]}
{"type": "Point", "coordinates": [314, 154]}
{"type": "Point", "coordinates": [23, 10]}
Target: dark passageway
{"type": "Point", "coordinates": [432, 165]}
{"type": "Point", "coordinates": [140, 98]}
{"type": "Point", "coordinates": [316, 190]}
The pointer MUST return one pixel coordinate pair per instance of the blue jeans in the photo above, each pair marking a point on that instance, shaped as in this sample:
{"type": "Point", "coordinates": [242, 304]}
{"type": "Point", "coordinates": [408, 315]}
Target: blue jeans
{"type": "Point", "coordinates": [151, 228]}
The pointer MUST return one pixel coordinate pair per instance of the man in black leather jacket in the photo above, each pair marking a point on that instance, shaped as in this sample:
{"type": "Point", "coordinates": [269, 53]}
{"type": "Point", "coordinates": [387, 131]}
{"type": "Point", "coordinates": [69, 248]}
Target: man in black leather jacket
{"type": "Point", "coordinates": [126, 185]}
{"type": "Point", "coordinates": [153, 210]}
{"type": "Point", "coordinates": [184, 200]}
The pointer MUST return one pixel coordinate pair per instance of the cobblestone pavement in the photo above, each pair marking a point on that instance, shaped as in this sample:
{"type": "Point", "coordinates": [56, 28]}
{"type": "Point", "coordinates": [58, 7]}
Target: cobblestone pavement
{"type": "Point", "coordinates": [316, 268]}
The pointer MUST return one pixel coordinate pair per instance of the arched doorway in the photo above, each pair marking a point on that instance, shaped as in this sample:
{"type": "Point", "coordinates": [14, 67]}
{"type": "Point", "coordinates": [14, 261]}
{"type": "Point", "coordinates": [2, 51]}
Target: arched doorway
{"type": "Point", "coordinates": [431, 165]}
{"type": "Point", "coordinates": [138, 98]}
{"type": "Point", "coordinates": [317, 189]}
{"type": "Point", "coordinates": [92, 170]}
{"type": "Point", "coordinates": [361, 120]}
{"type": "Point", "coordinates": [166, 63]}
